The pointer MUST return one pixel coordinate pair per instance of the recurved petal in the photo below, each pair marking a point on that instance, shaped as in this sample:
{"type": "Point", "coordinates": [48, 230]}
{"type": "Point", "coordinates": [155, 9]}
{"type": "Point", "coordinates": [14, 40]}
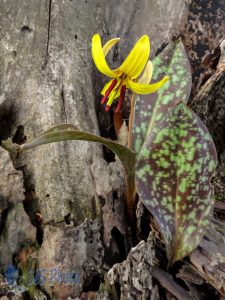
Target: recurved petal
{"type": "Point", "coordinates": [147, 75]}
{"type": "Point", "coordinates": [137, 58]}
{"type": "Point", "coordinates": [109, 45]}
{"type": "Point", "coordinates": [99, 57]}
{"type": "Point", "coordinates": [140, 88]}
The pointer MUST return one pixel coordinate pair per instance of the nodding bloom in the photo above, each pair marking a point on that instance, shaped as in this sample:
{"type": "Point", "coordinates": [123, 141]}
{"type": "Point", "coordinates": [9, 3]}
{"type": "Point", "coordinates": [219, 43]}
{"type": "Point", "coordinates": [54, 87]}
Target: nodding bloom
{"type": "Point", "coordinates": [126, 76]}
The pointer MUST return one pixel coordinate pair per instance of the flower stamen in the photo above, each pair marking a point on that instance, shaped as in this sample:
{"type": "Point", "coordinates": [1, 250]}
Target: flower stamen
{"type": "Point", "coordinates": [122, 95]}
{"type": "Point", "coordinates": [107, 108]}
{"type": "Point", "coordinates": [108, 91]}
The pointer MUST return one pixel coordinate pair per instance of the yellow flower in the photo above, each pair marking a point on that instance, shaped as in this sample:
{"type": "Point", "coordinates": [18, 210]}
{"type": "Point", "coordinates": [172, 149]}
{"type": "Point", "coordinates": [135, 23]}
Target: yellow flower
{"type": "Point", "coordinates": [127, 74]}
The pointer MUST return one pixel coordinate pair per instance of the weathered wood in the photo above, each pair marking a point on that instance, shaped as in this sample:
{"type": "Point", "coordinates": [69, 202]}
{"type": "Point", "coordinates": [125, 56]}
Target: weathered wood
{"type": "Point", "coordinates": [209, 105]}
{"type": "Point", "coordinates": [209, 259]}
{"type": "Point", "coordinates": [50, 83]}
{"type": "Point", "coordinates": [47, 77]}
{"type": "Point", "coordinates": [201, 32]}
{"type": "Point", "coordinates": [132, 275]}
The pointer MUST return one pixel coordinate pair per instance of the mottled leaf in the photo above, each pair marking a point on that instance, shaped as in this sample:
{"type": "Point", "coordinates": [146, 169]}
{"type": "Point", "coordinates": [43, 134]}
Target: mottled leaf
{"type": "Point", "coordinates": [173, 173]}
{"type": "Point", "coordinates": [65, 132]}
{"type": "Point", "coordinates": [151, 109]}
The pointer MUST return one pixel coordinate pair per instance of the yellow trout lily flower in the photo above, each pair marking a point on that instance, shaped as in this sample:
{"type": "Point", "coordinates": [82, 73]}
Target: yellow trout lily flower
{"type": "Point", "coordinates": [127, 74]}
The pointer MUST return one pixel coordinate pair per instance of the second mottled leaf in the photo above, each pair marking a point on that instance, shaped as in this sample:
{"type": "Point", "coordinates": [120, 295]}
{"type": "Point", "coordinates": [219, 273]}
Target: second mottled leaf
{"type": "Point", "coordinates": [173, 173]}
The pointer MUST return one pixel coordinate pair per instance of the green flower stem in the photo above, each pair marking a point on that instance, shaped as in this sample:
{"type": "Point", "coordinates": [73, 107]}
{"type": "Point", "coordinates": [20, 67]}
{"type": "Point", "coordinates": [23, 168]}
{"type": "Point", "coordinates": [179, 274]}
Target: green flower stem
{"type": "Point", "coordinates": [130, 185]}
{"type": "Point", "coordinates": [131, 121]}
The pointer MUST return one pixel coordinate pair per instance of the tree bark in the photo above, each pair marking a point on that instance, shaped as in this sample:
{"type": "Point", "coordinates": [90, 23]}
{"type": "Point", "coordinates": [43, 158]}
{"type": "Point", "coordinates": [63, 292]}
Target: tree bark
{"type": "Point", "coordinates": [73, 191]}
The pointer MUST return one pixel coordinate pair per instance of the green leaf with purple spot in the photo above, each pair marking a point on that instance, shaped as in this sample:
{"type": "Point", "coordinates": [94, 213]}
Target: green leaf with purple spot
{"type": "Point", "coordinates": [151, 109]}
{"type": "Point", "coordinates": [173, 179]}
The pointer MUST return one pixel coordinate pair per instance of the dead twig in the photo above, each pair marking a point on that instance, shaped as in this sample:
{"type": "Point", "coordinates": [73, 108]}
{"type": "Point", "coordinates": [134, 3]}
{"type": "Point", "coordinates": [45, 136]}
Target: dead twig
{"type": "Point", "coordinates": [166, 280]}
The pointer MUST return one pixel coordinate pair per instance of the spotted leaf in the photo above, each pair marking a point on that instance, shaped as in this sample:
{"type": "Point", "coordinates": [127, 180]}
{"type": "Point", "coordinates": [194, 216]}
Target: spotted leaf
{"type": "Point", "coordinates": [151, 109]}
{"type": "Point", "coordinates": [173, 173]}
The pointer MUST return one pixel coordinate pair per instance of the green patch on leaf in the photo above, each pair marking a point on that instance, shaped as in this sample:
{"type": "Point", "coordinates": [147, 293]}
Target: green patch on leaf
{"type": "Point", "coordinates": [151, 109]}
{"type": "Point", "coordinates": [176, 187]}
